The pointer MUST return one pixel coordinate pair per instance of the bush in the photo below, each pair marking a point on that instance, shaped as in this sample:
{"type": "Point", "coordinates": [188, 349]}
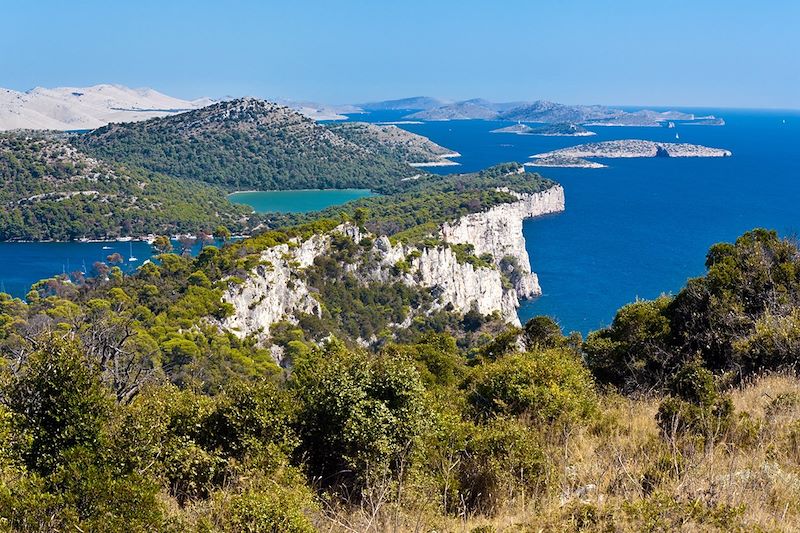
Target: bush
{"type": "Point", "coordinates": [543, 386]}
{"type": "Point", "coordinates": [357, 413]}
{"type": "Point", "coordinates": [542, 332]}
{"type": "Point", "coordinates": [499, 460]}
{"type": "Point", "coordinates": [695, 407]}
{"type": "Point", "coordinates": [631, 354]}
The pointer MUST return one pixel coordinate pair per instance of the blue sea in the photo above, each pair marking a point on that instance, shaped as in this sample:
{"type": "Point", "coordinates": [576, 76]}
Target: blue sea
{"type": "Point", "coordinates": [634, 230]}
{"type": "Point", "coordinates": [641, 227]}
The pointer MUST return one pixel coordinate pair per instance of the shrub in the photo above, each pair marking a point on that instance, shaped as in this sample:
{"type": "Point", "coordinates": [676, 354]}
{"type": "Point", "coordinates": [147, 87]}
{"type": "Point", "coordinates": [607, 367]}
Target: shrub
{"type": "Point", "coordinates": [542, 332]}
{"type": "Point", "coordinates": [499, 460]}
{"type": "Point", "coordinates": [695, 407]}
{"type": "Point", "coordinates": [543, 386]}
{"type": "Point", "coordinates": [357, 413]}
{"type": "Point", "coordinates": [632, 353]}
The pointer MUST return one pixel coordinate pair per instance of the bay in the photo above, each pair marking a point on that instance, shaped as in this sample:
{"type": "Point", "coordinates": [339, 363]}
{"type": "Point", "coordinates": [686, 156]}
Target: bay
{"type": "Point", "coordinates": [296, 201]}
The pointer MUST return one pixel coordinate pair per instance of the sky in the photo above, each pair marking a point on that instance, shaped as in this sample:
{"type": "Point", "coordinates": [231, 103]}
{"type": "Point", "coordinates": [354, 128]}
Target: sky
{"type": "Point", "coordinates": [681, 53]}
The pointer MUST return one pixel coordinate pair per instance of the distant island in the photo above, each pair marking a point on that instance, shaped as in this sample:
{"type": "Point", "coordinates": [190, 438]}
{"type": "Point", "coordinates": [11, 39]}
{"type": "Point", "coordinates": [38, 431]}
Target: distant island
{"type": "Point", "coordinates": [625, 149]}
{"type": "Point", "coordinates": [552, 130]}
{"type": "Point", "coordinates": [563, 161]}
{"type": "Point", "coordinates": [543, 111]}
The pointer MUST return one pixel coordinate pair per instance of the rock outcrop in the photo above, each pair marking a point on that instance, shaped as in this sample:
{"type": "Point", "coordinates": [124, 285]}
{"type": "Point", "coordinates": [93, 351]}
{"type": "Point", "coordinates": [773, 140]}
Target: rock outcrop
{"type": "Point", "coordinates": [276, 290]}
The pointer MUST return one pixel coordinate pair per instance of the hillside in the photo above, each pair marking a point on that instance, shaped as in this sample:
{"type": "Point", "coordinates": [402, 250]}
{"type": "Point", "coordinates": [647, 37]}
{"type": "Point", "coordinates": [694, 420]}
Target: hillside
{"type": "Point", "coordinates": [245, 144]}
{"type": "Point", "coordinates": [554, 113]}
{"type": "Point", "coordinates": [52, 190]}
{"type": "Point", "coordinates": [635, 148]}
{"type": "Point", "coordinates": [414, 102]}
{"type": "Point", "coordinates": [78, 108]}
{"type": "Point", "coordinates": [550, 130]}
{"type": "Point", "coordinates": [391, 141]}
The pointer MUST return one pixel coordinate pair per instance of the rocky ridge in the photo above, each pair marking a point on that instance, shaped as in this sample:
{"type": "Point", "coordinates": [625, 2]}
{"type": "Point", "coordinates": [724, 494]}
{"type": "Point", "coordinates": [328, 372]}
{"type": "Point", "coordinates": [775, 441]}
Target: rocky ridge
{"type": "Point", "coordinates": [275, 290]}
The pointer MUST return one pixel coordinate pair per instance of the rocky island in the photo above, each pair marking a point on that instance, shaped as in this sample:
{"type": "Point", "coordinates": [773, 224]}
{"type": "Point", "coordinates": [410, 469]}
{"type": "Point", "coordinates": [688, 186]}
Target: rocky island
{"type": "Point", "coordinates": [566, 129]}
{"type": "Point", "coordinates": [630, 148]}
{"type": "Point", "coordinates": [564, 162]}
{"type": "Point", "coordinates": [543, 111]}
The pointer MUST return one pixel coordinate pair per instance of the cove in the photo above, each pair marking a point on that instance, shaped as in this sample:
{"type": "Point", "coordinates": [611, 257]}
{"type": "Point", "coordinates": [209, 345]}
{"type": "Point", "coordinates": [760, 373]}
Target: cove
{"type": "Point", "coordinates": [297, 201]}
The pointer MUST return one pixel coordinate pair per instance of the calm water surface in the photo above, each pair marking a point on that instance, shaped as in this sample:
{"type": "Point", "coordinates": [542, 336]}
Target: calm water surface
{"type": "Point", "coordinates": [641, 227]}
{"type": "Point", "coordinates": [298, 201]}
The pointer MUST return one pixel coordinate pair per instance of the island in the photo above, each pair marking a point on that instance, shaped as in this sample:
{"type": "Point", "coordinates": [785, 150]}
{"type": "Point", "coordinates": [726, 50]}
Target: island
{"type": "Point", "coordinates": [629, 148]}
{"type": "Point", "coordinates": [543, 111]}
{"type": "Point", "coordinates": [566, 129]}
{"type": "Point", "coordinates": [564, 162]}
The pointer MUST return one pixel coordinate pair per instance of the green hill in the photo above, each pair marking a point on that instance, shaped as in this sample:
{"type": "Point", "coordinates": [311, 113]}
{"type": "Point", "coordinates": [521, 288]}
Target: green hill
{"type": "Point", "coordinates": [51, 190]}
{"type": "Point", "coordinates": [246, 144]}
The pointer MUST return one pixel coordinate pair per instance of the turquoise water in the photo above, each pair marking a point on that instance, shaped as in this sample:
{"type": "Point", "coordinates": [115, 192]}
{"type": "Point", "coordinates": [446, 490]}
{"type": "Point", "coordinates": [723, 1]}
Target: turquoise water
{"type": "Point", "coordinates": [297, 201]}
{"type": "Point", "coordinates": [642, 226]}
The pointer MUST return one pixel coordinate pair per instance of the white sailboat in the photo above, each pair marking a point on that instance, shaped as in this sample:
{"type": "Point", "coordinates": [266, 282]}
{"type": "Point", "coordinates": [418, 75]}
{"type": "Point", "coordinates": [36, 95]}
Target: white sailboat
{"type": "Point", "coordinates": [677, 136]}
{"type": "Point", "coordinates": [132, 258]}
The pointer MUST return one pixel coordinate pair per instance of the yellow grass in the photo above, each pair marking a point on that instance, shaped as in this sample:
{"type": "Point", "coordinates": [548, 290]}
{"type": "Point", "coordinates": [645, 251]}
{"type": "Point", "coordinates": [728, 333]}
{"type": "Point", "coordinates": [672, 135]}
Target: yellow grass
{"type": "Point", "coordinates": [620, 474]}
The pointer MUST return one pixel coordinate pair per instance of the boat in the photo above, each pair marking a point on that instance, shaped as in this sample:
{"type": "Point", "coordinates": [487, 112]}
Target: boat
{"type": "Point", "coordinates": [132, 258]}
{"type": "Point", "coordinates": [108, 247]}
{"type": "Point", "coordinates": [677, 136]}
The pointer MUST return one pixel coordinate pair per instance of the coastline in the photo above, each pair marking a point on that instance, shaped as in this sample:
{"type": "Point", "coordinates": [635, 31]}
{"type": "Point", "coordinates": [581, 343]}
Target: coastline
{"type": "Point", "coordinates": [444, 161]}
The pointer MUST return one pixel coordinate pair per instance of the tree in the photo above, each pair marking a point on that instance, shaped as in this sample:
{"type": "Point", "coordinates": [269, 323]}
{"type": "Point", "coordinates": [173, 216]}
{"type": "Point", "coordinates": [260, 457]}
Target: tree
{"type": "Point", "coordinates": [357, 413]}
{"type": "Point", "coordinates": [61, 403]}
{"type": "Point", "coordinates": [222, 233]}
{"type": "Point", "coordinates": [115, 258]}
{"type": "Point", "coordinates": [187, 242]}
{"type": "Point", "coordinates": [162, 245]}
{"type": "Point", "coordinates": [360, 216]}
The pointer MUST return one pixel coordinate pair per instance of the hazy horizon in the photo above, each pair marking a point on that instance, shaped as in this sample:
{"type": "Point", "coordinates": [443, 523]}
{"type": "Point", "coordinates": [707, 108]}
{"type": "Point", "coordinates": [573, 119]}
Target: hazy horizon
{"type": "Point", "coordinates": [714, 55]}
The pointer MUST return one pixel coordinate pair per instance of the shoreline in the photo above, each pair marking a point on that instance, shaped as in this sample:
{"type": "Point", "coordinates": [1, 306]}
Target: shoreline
{"type": "Point", "coordinates": [444, 161]}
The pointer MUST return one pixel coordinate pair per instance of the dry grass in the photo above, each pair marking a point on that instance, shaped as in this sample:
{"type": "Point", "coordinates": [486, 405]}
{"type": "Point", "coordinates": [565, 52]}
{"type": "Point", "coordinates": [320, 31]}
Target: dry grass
{"type": "Point", "coordinates": [620, 474]}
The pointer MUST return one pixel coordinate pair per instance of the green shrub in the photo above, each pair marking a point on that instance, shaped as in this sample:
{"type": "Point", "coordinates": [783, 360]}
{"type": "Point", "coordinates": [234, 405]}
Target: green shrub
{"type": "Point", "coordinates": [695, 407]}
{"type": "Point", "coordinates": [357, 413]}
{"type": "Point", "coordinates": [630, 354]}
{"type": "Point", "coordinates": [543, 386]}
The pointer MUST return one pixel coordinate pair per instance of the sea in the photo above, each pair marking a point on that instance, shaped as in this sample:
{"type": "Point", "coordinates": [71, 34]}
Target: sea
{"type": "Point", "coordinates": [637, 229]}
{"type": "Point", "coordinates": [640, 227]}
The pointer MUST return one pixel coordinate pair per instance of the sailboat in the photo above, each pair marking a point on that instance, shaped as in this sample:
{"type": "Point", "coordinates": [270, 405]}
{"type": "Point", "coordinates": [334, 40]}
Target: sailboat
{"type": "Point", "coordinates": [677, 136]}
{"type": "Point", "coordinates": [132, 258]}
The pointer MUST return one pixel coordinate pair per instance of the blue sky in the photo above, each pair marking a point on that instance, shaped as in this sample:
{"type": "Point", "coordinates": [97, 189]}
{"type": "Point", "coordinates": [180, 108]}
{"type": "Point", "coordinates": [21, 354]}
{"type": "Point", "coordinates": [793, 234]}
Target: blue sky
{"type": "Point", "coordinates": [705, 53]}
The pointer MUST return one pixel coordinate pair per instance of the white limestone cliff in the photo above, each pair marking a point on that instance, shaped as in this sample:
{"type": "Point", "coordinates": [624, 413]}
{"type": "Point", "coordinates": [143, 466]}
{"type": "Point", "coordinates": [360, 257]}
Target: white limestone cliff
{"type": "Point", "coordinates": [275, 290]}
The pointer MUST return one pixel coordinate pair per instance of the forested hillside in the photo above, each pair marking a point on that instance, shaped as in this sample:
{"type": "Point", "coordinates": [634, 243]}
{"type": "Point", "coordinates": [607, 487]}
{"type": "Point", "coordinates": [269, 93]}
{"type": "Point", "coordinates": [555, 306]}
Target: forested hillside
{"type": "Point", "coordinates": [246, 144]}
{"type": "Point", "coordinates": [125, 407]}
{"type": "Point", "coordinates": [52, 190]}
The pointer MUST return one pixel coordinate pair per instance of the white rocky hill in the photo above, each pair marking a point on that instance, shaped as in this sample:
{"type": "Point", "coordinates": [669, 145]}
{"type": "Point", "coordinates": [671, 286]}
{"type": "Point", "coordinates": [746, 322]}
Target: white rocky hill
{"type": "Point", "coordinates": [86, 108]}
{"type": "Point", "coordinates": [78, 108]}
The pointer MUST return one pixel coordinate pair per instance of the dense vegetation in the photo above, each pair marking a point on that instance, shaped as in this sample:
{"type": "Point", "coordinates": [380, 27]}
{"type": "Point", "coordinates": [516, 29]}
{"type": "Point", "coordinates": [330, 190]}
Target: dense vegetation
{"type": "Point", "coordinates": [390, 141]}
{"type": "Point", "coordinates": [124, 407]}
{"type": "Point", "coordinates": [414, 209]}
{"type": "Point", "coordinates": [246, 144]}
{"type": "Point", "coordinates": [50, 190]}
{"type": "Point", "coordinates": [169, 175]}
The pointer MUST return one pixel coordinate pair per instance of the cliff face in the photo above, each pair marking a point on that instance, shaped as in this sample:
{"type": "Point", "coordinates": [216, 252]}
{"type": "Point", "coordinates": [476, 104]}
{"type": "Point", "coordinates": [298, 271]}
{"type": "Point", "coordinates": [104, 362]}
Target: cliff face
{"type": "Point", "coordinates": [276, 290]}
{"type": "Point", "coordinates": [498, 232]}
